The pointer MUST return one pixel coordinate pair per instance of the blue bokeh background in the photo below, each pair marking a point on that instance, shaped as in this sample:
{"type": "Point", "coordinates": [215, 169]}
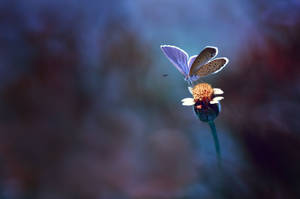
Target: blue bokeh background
{"type": "Point", "coordinates": [86, 110]}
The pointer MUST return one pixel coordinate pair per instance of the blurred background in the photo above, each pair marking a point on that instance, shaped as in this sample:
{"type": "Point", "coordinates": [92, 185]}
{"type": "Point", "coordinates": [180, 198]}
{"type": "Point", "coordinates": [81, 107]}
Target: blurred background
{"type": "Point", "coordinates": [90, 107]}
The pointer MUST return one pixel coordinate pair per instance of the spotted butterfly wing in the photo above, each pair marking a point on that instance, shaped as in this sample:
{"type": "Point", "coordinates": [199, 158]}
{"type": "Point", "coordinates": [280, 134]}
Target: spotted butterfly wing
{"type": "Point", "coordinates": [205, 55]}
{"type": "Point", "coordinates": [212, 67]}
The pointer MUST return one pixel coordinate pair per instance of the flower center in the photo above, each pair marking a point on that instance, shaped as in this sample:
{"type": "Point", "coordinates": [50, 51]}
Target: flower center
{"type": "Point", "coordinates": [203, 92]}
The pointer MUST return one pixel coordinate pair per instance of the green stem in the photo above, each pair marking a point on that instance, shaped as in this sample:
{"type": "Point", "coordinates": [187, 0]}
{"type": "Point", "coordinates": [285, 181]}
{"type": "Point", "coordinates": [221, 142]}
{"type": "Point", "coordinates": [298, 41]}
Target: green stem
{"type": "Point", "coordinates": [216, 140]}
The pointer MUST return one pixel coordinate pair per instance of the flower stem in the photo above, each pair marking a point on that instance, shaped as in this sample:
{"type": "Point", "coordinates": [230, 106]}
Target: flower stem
{"type": "Point", "coordinates": [216, 140]}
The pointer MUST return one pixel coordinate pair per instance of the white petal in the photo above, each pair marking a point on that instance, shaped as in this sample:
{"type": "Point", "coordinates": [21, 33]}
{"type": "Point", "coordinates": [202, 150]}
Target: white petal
{"type": "Point", "coordinates": [218, 91]}
{"type": "Point", "coordinates": [219, 98]}
{"type": "Point", "coordinates": [188, 99]}
{"type": "Point", "coordinates": [213, 102]}
{"type": "Point", "coordinates": [190, 90]}
{"type": "Point", "coordinates": [188, 103]}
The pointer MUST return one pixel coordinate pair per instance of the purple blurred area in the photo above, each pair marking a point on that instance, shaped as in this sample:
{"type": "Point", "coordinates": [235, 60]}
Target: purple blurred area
{"type": "Point", "coordinates": [90, 107]}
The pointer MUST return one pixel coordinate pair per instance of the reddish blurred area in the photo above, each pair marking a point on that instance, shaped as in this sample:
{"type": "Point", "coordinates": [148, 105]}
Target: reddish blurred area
{"type": "Point", "coordinates": [83, 113]}
{"type": "Point", "coordinates": [262, 105]}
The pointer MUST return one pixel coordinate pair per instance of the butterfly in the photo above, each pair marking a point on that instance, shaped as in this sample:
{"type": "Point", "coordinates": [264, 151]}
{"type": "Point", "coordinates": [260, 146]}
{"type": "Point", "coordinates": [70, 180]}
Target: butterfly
{"type": "Point", "coordinates": [195, 66]}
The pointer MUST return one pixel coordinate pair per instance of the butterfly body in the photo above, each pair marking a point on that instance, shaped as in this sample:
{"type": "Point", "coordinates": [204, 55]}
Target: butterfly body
{"type": "Point", "coordinates": [195, 66]}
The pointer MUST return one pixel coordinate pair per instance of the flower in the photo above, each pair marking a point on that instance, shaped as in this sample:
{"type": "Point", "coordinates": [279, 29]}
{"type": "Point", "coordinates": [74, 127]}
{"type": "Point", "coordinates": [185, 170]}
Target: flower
{"type": "Point", "coordinates": [206, 101]}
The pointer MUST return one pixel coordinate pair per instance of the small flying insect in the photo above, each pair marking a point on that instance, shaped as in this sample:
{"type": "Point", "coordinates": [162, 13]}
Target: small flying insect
{"type": "Point", "coordinates": [196, 66]}
{"type": "Point", "coordinates": [165, 75]}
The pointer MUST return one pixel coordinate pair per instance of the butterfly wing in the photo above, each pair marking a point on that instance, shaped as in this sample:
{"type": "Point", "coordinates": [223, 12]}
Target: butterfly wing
{"type": "Point", "coordinates": [191, 60]}
{"type": "Point", "coordinates": [212, 67]}
{"type": "Point", "coordinates": [177, 56]}
{"type": "Point", "coordinates": [205, 55]}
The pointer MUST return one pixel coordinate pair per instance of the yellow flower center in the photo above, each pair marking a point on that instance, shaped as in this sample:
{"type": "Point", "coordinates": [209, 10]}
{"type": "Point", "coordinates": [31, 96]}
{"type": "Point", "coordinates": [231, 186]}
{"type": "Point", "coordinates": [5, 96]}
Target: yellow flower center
{"type": "Point", "coordinates": [203, 92]}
